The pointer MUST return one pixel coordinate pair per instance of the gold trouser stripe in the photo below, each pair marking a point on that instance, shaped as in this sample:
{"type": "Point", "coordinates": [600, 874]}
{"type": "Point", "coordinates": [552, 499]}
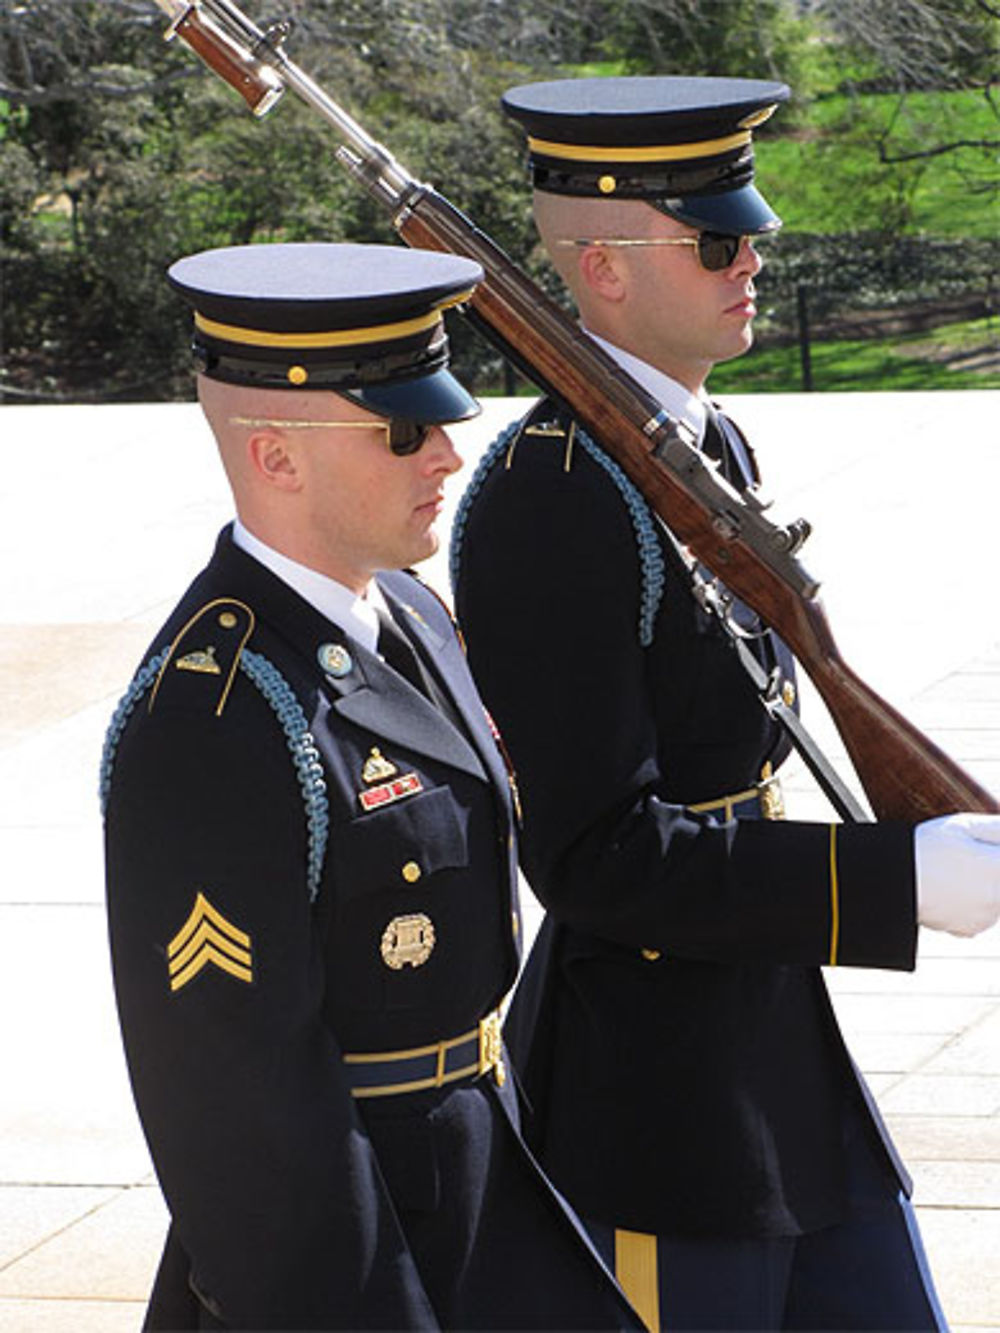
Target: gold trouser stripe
{"type": "Point", "coordinates": [834, 898]}
{"type": "Point", "coordinates": [637, 1274]}
{"type": "Point", "coordinates": [234, 333]}
{"type": "Point", "coordinates": [677, 152]}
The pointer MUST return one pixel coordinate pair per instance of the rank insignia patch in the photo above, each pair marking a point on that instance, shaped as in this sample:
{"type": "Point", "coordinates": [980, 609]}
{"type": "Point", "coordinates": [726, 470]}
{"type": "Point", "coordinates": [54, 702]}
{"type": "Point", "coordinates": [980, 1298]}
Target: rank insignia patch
{"type": "Point", "coordinates": [387, 792]}
{"type": "Point", "coordinates": [208, 938]}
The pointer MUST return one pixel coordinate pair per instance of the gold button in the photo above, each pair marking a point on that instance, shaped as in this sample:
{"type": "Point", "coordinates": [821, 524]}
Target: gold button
{"type": "Point", "coordinates": [607, 184]}
{"type": "Point", "coordinates": [651, 955]}
{"type": "Point", "coordinates": [297, 374]}
{"type": "Point", "coordinates": [788, 693]}
{"type": "Point", "coordinates": [411, 872]}
{"type": "Point", "coordinates": [227, 620]}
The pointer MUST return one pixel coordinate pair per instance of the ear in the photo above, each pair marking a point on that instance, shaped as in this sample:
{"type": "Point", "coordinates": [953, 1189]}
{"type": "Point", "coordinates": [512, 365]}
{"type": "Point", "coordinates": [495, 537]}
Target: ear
{"type": "Point", "coordinates": [273, 460]}
{"type": "Point", "coordinates": [602, 273]}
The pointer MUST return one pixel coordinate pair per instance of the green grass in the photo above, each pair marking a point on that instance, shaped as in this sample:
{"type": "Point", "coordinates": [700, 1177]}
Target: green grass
{"type": "Point", "coordinates": [914, 361]}
{"type": "Point", "coordinates": [828, 177]}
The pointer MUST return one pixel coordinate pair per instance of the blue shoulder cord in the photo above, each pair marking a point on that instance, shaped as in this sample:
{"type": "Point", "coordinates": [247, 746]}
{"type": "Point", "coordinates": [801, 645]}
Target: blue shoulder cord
{"type": "Point", "coordinates": [282, 700]}
{"type": "Point", "coordinates": [651, 561]}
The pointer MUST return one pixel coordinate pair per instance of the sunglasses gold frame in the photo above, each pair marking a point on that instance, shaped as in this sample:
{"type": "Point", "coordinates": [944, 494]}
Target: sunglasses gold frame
{"type": "Point", "coordinates": [279, 423]}
{"type": "Point", "coordinates": [297, 423]}
{"type": "Point", "coordinates": [622, 243]}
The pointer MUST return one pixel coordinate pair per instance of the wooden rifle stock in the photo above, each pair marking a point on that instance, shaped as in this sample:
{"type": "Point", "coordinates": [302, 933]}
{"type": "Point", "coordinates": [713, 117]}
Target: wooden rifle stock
{"type": "Point", "coordinates": [905, 775]}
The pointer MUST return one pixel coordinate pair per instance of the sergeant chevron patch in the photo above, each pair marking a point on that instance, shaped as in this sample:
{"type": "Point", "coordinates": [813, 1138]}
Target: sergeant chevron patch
{"type": "Point", "coordinates": [207, 937]}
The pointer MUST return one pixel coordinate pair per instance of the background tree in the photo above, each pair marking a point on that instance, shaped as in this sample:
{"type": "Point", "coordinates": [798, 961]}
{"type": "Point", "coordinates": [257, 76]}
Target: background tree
{"type": "Point", "coordinates": [118, 152]}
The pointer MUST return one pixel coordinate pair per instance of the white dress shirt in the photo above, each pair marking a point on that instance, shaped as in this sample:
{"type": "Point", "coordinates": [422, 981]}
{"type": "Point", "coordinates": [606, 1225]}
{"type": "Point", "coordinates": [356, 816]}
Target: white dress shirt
{"type": "Point", "coordinates": [355, 615]}
{"type": "Point", "coordinates": [677, 401]}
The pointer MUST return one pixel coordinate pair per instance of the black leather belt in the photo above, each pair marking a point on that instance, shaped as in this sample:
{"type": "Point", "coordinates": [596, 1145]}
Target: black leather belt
{"type": "Point", "coordinates": [388, 1073]}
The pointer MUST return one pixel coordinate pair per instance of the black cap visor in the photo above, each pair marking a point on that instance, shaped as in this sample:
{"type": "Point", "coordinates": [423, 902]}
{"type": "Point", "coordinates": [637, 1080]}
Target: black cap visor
{"type": "Point", "coordinates": [433, 399]}
{"type": "Point", "coordinates": [740, 212]}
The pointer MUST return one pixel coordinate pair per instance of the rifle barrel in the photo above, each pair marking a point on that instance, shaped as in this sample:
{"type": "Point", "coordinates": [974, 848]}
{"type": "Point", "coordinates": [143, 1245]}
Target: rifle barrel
{"type": "Point", "coordinates": [904, 774]}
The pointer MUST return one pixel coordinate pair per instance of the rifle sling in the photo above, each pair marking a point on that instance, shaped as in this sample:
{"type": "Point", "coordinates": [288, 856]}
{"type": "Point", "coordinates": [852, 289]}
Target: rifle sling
{"type": "Point", "coordinates": [767, 685]}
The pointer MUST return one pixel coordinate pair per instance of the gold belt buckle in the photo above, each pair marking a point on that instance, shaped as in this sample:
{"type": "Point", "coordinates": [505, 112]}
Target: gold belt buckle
{"type": "Point", "coordinates": [772, 798]}
{"type": "Point", "coordinates": [491, 1048]}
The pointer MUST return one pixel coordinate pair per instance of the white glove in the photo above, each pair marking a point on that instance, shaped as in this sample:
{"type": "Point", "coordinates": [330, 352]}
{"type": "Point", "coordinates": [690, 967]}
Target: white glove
{"type": "Point", "coordinates": [958, 873]}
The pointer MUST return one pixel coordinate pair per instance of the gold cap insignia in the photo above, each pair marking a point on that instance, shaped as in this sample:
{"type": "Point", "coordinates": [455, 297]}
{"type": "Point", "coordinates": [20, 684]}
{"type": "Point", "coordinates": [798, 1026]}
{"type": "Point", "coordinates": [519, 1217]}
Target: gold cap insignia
{"type": "Point", "coordinates": [756, 118]}
{"type": "Point", "coordinates": [407, 940]}
{"type": "Point", "coordinates": [377, 767]}
{"type": "Point", "coordinates": [207, 937]}
{"type": "Point", "coordinates": [201, 660]}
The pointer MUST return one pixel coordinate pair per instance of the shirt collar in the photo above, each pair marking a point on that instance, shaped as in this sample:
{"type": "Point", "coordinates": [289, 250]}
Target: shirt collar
{"type": "Point", "coordinates": [676, 400]}
{"type": "Point", "coordinates": [338, 603]}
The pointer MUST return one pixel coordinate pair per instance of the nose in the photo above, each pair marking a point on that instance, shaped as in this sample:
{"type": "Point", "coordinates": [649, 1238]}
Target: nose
{"type": "Point", "coordinates": [747, 259]}
{"type": "Point", "coordinates": [439, 453]}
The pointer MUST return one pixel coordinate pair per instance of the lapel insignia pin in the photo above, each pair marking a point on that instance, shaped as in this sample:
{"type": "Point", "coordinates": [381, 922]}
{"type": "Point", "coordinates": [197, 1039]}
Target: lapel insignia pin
{"type": "Point", "coordinates": [335, 660]}
{"type": "Point", "coordinates": [208, 938]}
{"type": "Point", "coordinates": [377, 767]}
{"type": "Point", "coordinates": [407, 940]}
{"type": "Point", "coordinates": [202, 661]}
{"type": "Point", "coordinates": [387, 792]}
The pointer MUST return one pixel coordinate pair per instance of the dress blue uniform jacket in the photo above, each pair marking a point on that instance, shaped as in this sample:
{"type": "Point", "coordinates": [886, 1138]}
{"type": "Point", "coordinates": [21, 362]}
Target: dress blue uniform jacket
{"type": "Point", "coordinates": [251, 880]}
{"type": "Point", "coordinates": [678, 1049]}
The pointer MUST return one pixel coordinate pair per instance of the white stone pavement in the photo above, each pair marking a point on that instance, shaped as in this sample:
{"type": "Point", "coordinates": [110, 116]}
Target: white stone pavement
{"type": "Point", "coordinates": [106, 512]}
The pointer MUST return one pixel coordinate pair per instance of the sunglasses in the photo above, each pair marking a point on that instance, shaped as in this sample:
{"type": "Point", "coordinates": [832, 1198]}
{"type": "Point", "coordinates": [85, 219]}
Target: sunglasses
{"type": "Point", "coordinates": [403, 436]}
{"type": "Point", "coordinates": [716, 249]}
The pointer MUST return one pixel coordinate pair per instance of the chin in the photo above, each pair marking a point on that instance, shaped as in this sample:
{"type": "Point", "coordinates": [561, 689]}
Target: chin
{"type": "Point", "coordinates": [742, 347]}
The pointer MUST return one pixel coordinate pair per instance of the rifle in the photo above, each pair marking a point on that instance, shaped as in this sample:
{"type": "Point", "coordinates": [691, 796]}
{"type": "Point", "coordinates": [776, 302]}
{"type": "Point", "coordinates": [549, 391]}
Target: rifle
{"type": "Point", "coordinates": [904, 774]}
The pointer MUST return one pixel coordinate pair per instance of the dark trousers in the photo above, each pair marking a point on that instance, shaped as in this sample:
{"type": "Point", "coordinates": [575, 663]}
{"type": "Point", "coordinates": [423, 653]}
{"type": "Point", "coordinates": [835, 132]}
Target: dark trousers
{"type": "Point", "coordinates": [494, 1246]}
{"type": "Point", "coordinates": [867, 1273]}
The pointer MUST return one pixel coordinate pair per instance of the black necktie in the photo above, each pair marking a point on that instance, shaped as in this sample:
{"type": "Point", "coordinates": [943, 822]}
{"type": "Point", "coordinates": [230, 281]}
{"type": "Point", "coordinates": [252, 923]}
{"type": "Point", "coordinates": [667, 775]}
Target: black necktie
{"type": "Point", "coordinates": [713, 442]}
{"type": "Point", "coordinates": [394, 647]}
{"type": "Point", "coordinates": [717, 444]}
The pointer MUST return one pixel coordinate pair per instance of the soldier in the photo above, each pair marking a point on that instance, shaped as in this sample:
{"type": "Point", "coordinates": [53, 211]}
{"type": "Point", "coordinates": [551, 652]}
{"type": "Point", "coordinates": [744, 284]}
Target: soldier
{"type": "Point", "coordinates": [310, 854]}
{"type": "Point", "coordinates": [691, 1092]}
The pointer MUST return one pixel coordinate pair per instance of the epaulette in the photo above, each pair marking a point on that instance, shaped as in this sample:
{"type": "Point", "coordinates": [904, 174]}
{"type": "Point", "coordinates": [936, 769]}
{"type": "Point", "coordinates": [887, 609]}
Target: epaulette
{"type": "Point", "coordinates": [208, 651]}
{"type": "Point", "coordinates": [547, 421]}
{"type": "Point", "coordinates": [204, 657]}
